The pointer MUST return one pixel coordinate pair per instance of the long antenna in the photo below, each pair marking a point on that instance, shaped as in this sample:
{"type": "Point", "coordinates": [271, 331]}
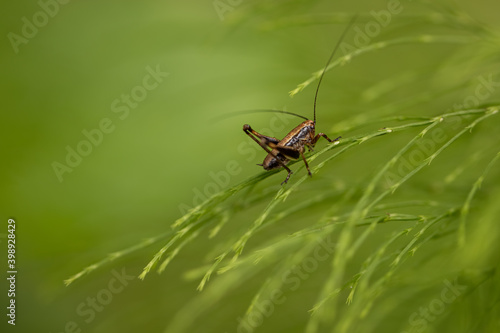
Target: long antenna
{"type": "Point", "coordinates": [237, 113]}
{"type": "Point", "coordinates": [330, 59]}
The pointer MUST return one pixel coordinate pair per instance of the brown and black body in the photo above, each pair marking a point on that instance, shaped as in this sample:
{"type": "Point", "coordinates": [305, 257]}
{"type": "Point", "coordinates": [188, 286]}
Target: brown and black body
{"type": "Point", "coordinates": [296, 139]}
{"type": "Point", "coordinates": [292, 146]}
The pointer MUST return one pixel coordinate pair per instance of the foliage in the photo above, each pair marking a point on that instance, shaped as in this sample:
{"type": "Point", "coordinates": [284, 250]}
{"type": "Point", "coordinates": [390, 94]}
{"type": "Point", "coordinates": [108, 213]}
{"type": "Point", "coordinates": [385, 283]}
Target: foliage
{"type": "Point", "coordinates": [409, 196]}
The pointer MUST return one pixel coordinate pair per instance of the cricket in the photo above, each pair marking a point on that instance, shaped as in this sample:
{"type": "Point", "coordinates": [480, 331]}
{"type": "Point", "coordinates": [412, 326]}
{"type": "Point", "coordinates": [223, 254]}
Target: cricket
{"type": "Point", "coordinates": [292, 146]}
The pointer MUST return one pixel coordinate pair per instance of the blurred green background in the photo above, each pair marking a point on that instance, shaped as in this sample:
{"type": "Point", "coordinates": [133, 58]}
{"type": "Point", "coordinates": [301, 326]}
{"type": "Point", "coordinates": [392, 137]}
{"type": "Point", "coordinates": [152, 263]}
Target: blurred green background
{"type": "Point", "coordinates": [71, 76]}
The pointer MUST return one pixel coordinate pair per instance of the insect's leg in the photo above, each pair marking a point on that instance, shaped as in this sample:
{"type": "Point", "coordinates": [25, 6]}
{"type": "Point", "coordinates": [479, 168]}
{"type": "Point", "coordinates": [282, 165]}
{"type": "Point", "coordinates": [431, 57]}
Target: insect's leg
{"type": "Point", "coordinates": [316, 138]}
{"type": "Point", "coordinates": [287, 176]}
{"type": "Point", "coordinates": [265, 145]}
{"type": "Point", "coordinates": [290, 153]}
{"type": "Point", "coordinates": [305, 162]}
{"type": "Point", "coordinates": [267, 140]}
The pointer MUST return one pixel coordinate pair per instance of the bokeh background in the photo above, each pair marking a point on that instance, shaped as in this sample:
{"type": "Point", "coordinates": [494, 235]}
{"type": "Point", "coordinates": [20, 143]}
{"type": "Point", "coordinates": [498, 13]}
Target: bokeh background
{"type": "Point", "coordinates": [70, 76]}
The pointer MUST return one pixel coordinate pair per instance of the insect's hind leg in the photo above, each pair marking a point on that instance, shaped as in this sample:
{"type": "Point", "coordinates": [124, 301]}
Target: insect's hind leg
{"type": "Point", "coordinates": [265, 142]}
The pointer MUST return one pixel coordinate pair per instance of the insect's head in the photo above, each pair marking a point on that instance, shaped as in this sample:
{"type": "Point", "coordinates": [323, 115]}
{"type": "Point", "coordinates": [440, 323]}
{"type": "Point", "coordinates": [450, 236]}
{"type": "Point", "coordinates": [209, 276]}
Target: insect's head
{"type": "Point", "coordinates": [310, 123]}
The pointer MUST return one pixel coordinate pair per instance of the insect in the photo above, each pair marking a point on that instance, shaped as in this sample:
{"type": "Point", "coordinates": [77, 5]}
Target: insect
{"type": "Point", "coordinates": [292, 146]}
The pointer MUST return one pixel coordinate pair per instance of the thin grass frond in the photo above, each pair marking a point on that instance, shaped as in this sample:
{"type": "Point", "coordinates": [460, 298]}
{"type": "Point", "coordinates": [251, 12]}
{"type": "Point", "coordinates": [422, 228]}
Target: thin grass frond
{"type": "Point", "coordinates": [116, 255]}
{"type": "Point", "coordinates": [466, 207]}
{"type": "Point", "coordinates": [377, 46]}
{"type": "Point", "coordinates": [362, 208]}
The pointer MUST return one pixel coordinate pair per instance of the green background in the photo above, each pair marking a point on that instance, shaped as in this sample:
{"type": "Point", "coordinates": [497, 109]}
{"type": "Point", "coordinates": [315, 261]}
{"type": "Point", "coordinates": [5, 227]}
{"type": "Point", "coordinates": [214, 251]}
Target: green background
{"type": "Point", "coordinates": [134, 183]}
